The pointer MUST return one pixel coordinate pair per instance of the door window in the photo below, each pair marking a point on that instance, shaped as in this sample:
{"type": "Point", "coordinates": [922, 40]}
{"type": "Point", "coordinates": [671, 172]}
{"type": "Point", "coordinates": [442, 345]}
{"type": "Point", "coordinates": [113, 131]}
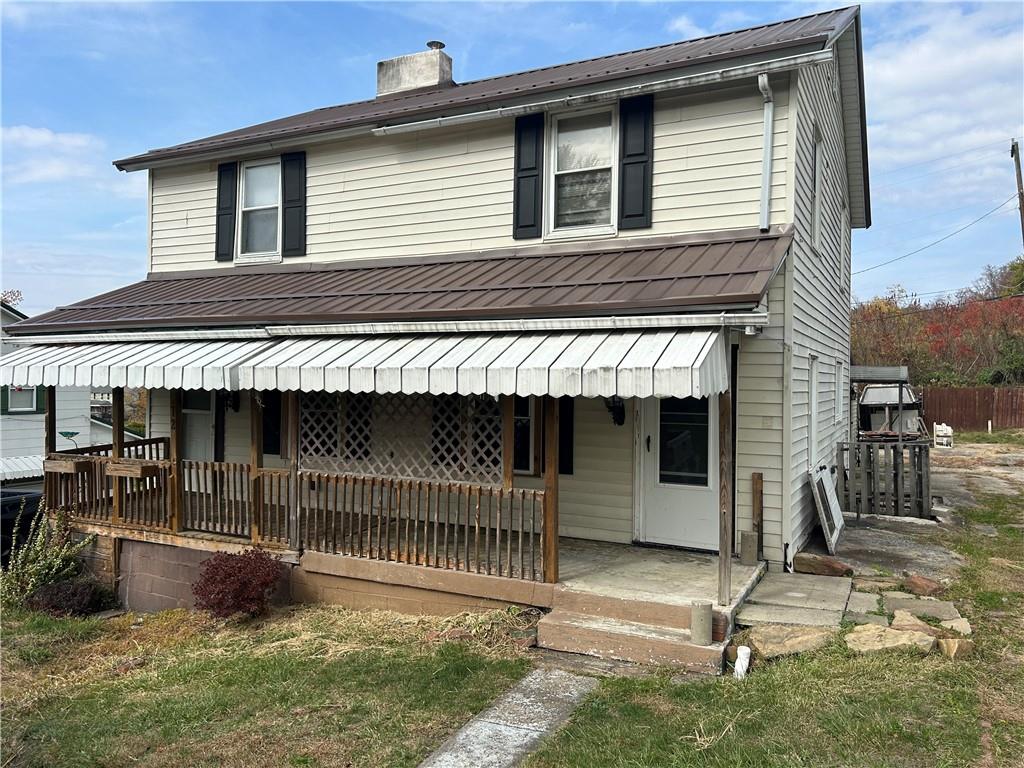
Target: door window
{"type": "Point", "coordinates": [683, 441]}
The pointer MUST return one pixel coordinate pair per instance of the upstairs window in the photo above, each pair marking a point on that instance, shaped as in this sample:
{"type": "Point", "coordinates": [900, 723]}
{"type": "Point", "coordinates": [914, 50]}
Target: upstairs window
{"type": "Point", "coordinates": [582, 167]}
{"type": "Point", "coordinates": [260, 220]}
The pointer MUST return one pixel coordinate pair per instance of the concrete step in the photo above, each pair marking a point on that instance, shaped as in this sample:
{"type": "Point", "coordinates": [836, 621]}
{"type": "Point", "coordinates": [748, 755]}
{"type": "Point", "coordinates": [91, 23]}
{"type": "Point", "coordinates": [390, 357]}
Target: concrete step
{"type": "Point", "coordinates": [639, 611]}
{"type": "Point", "coordinates": [610, 638]}
{"type": "Point", "coordinates": [752, 614]}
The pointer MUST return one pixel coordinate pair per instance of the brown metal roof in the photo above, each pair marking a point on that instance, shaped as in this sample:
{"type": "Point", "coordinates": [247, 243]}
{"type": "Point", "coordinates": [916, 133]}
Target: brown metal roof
{"type": "Point", "coordinates": [727, 269]}
{"type": "Point", "coordinates": [818, 29]}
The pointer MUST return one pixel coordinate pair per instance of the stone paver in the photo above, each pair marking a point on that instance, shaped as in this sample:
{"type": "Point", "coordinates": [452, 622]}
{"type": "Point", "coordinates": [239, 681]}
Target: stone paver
{"type": "Point", "coordinates": [956, 647]}
{"type": "Point", "coordinates": [802, 590]}
{"type": "Point", "coordinates": [908, 622]}
{"type": "Point", "coordinates": [862, 602]}
{"type": "Point", "coordinates": [960, 626]}
{"type": "Point", "coordinates": [869, 638]}
{"type": "Point", "coordinates": [506, 733]}
{"type": "Point", "coordinates": [771, 640]}
{"type": "Point", "coordinates": [754, 614]}
{"type": "Point", "coordinates": [936, 609]}
{"type": "Point", "coordinates": [865, 618]}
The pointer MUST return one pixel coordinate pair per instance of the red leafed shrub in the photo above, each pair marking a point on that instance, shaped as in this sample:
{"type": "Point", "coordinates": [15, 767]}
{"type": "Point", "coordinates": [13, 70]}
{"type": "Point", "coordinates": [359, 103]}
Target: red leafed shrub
{"type": "Point", "coordinates": [240, 583]}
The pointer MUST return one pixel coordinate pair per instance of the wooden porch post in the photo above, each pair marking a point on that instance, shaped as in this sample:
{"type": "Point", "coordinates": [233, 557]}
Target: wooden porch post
{"type": "Point", "coordinates": [549, 546]}
{"type": "Point", "coordinates": [50, 443]}
{"type": "Point", "coordinates": [508, 440]}
{"type": "Point", "coordinates": [177, 515]}
{"type": "Point", "coordinates": [724, 498]}
{"type": "Point", "coordinates": [117, 451]}
{"type": "Point", "coordinates": [291, 400]}
{"type": "Point", "coordinates": [255, 464]}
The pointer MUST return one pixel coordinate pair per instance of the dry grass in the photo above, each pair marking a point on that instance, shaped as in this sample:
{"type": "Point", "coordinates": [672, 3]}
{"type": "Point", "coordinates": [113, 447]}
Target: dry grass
{"type": "Point", "coordinates": [311, 685]}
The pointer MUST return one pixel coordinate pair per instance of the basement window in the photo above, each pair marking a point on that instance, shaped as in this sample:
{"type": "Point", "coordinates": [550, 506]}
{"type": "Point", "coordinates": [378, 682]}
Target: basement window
{"type": "Point", "coordinates": [583, 150]}
{"type": "Point", "coordinates": [260, 220]}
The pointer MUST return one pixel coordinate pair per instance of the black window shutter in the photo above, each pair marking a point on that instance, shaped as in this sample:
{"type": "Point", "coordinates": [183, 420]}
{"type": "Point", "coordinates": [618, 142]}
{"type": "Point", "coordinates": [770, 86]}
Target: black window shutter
{"type": "Point", "coordinates": [293, 202]}
{"type": "Point", "coordinates": [40, 399]}
{"type": "Point", "coordinates": [636, 161]}
{"type": "Point", "coordinates": [227, 195]}
{"type": "Point", "coordinates": [3, 400]}
{"type": "Point", "coordinates": [529, 177]}
{"type": "Point", "coordinates": [566, 426]}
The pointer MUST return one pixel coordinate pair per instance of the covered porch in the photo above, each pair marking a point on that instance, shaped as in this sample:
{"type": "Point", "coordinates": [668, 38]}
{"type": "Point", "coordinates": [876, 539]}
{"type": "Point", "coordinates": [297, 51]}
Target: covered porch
{"type": "Point", "coordinates": [398, 450]}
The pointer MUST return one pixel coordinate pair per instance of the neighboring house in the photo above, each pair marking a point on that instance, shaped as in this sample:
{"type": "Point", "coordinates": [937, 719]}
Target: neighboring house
{"type": "Point", "coordinates": [21, 418]}
{"type": "Point", "coordinates": [411, 341]}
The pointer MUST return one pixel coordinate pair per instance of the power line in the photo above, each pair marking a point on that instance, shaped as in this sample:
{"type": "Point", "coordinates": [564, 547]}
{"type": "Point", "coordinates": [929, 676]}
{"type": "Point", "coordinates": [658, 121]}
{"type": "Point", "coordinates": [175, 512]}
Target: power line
{"type": "Point", "coordinates": [919, 310]}
{"type": "Point", "coordinates": [917, 294]}
{"type": "Point", "coordinates": [896, 183]}
{"type": "Point", "coordinates": [903, 243]}
{"type": "Point", "coordinates": [935, 242]}
{"type": "Point", "coordinates": [946, 156]}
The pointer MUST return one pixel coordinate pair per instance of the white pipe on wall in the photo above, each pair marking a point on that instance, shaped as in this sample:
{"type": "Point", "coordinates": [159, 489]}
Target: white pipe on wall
{"type": "Point", "coordinates": [766, 158]}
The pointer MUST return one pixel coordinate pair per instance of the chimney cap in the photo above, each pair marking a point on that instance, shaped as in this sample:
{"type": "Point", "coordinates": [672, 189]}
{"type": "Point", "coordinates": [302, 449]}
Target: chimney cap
{"type": "Point", "coordinates": [435, 45]}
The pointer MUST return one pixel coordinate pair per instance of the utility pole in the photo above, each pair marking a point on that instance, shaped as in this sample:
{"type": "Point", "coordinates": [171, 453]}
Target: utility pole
{"type": "Point", "coordinates": [1015, 154]}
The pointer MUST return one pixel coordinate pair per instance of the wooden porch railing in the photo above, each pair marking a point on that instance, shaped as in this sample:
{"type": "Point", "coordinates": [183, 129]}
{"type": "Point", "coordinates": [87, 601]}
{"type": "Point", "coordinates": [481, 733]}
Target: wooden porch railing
{"type": "Point", "coordinates": [215, 497]}
{"type": "Point", "coordinates": [883, 478]}
{"type": "Point", "coordinates": [453, 526]}
{"type": "Point", "coordinates": [151, 448]}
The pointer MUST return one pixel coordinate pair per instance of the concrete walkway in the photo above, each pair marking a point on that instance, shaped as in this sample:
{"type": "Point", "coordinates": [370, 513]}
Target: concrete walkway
{"type": "Point", "coordinates": [513, 727]}
{"type": "Point", "coordinates": [796, 598]}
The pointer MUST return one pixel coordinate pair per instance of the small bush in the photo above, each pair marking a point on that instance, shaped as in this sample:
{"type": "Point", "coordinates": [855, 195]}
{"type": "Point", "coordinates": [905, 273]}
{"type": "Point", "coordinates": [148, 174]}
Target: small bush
{"type": "Point", "coordinates": [71, 597]}
{"type": "Point", "coordinates": [240, 583]}
{"type": "Point", "coordinates": [46, 556]}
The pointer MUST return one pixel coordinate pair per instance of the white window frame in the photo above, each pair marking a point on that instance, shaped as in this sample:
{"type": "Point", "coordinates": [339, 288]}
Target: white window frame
{"type": "Point", "coordinates": [12, 409]}
{"type": "Point", "coordinates": [551, 232]}
{"type": "Point", "coordinates": [839, 390]}
{"type": "Point", "coordinates": [532, 422]}
{"type": "Point", "coordinates": [263, 257]}
{"type": "Point", "coordinates": [818, 182]}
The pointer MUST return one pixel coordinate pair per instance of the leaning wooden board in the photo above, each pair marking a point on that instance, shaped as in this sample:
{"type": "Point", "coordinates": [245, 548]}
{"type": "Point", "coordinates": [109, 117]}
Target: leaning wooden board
{"type": "Point", "coordinates": [829, 512]}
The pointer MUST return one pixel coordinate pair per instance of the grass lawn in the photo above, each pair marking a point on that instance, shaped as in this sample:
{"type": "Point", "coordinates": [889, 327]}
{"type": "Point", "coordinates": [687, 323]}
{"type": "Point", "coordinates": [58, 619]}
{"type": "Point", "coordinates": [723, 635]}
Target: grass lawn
{"type": "Point", "coordinates": [832, 707]}
{"type": "Point", "coordinates": [999, 436]}
{"type": "Point", "coordinates": [309, 686]}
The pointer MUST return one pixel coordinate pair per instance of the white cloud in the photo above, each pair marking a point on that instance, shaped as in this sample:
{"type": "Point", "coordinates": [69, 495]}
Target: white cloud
{"type": "Point", "coordinates": [26, 136]}
{"type": "Point", "coordinates": [686, 28]}
{"type": "Point", "coordinates": [732, 20]}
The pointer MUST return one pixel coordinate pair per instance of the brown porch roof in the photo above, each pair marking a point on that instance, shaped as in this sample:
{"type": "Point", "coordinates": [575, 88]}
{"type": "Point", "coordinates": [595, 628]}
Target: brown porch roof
{"type": "Point", "coordinates": [709, 271]}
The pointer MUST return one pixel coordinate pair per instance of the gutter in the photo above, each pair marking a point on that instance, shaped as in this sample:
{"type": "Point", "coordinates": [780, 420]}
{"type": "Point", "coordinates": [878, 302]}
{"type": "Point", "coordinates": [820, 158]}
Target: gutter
{"type": "Point", "coordinates": [723, 75]}
{"type": "Point", "coordinates": [673, 83]}
{"type": "Point", "coordinates": [766, 157]}
{"type": "Point", "coordinates": [757, 318]}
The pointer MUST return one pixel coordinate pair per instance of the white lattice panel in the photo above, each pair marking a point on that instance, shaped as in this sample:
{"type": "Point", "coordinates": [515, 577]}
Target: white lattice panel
{"type": "Point", "coordinates": [447, 437]}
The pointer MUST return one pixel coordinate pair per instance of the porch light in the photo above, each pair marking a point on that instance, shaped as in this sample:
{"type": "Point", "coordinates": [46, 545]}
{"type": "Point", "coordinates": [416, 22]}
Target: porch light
{"type": "Point", "coordinates": [617, 408]}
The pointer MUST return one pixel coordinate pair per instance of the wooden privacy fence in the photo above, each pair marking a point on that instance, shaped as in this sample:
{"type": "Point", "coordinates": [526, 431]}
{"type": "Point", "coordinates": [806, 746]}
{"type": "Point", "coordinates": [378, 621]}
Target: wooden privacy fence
{"type": "Point", "coordinates": [454, 526]}
{"type": "Point", "coordinates": [973, 407]}
{"type": "Point", "coordinates": [884, 479]}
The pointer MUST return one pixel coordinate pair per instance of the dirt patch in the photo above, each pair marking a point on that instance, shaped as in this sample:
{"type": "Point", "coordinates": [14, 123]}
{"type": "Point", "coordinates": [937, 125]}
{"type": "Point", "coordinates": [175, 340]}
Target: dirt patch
{"type": "Point", "coordinates": [959, 474]}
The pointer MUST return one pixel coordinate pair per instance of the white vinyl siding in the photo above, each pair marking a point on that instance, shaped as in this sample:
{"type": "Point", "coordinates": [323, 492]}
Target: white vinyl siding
{"type": "Point", "coordinates": [448, 190]}
{"type": "Point", "coordinates": [821, 294]}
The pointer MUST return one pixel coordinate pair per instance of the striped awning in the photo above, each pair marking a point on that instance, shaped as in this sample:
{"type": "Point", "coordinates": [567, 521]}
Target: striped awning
{"type": "Point", "coordinates": [639, 363]}
{"type": "Point", "coordinates": [20, 467]}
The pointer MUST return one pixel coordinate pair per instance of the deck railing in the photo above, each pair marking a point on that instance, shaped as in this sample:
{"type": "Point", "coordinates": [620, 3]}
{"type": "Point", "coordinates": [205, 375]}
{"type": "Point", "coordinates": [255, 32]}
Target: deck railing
{"type": "Point", "coordinates": [883, 478]}
{"type": "Point", "coordinates": [453, 526]}
{"type": "Point", "coordinates": [215, 497]}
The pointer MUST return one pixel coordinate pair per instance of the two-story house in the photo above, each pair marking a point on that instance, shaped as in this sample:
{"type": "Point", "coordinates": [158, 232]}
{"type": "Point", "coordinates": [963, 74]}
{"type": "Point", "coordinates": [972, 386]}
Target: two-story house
{"type": "Point", "coordinates": [557, 338]}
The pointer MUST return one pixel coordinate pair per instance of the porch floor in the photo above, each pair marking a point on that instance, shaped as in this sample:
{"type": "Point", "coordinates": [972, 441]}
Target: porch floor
{"type": "Point", "coordinates": [668, 576]}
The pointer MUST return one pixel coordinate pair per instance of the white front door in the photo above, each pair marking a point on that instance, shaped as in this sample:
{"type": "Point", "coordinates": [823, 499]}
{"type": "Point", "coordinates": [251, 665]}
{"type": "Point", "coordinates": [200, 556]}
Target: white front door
{"type": "Point", "coordinates": [197, 413]}
{"type": "Point", "coordinates": [679, 472]}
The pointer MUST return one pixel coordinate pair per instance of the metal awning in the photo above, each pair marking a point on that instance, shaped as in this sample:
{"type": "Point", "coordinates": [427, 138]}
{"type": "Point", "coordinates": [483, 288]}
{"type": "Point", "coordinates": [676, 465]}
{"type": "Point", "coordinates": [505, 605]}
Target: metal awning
{"type": "Point", "coordinates": [637, 363]}
{"type": "Point", "coordinates": [20, 467]}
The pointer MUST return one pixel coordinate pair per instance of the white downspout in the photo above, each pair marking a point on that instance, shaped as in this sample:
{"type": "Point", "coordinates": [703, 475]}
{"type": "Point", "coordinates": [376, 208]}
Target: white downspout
{"type": "Point", "coordinates": [766, 159]}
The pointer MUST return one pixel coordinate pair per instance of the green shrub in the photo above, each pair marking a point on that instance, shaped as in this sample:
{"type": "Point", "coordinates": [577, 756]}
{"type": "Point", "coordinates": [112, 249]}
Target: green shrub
{"type": "Point", "coordinates": [46, 556]}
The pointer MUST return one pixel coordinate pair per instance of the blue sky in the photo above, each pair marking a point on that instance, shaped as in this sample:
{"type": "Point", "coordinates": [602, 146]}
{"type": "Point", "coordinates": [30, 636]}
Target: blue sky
{"type": "Point", "coordinates": [83, 84]}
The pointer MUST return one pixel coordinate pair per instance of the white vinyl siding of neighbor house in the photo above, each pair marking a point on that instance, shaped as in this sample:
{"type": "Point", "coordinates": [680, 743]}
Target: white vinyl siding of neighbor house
{"type": "Point", "coordinates": [450, 189]}
{"type": "Point", "coordinates": [23, 432]}
{"type": "Point", "coordinates": [820, 321]}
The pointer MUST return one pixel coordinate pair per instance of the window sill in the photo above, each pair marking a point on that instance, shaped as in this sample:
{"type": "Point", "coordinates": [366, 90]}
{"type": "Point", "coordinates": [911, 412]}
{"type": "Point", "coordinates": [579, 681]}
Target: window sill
{"type": "Point", "coordinates": [581, 234]}
{"type": "Point", "coordinates": [266, 258]}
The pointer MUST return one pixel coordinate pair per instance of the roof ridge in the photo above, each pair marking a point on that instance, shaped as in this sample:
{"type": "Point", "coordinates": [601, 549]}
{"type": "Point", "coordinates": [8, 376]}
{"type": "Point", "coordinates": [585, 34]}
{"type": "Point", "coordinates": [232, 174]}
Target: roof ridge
{"type": "Point", "coordinates": [398, 98]}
